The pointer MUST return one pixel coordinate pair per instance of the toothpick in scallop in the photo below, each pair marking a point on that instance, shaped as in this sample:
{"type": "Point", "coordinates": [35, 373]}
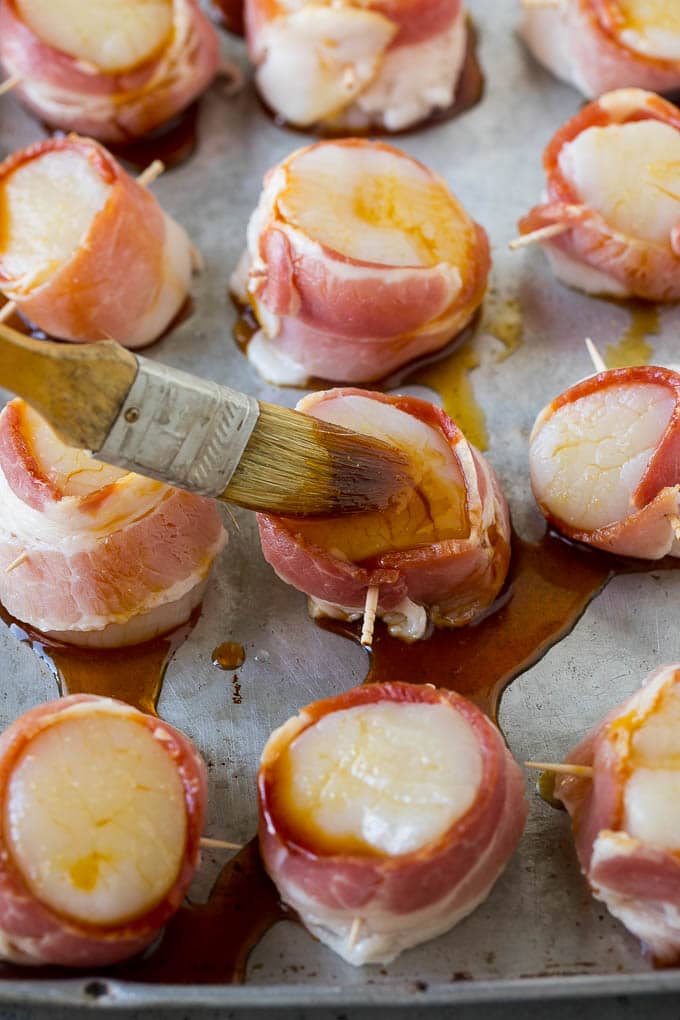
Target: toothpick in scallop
{"type": "Point", "coordinates": [595, 356]}
{"type": "Point", "coordinates": [536, 236]}
{"type": "Point", "coordinates": [541, 3]}
{"type": "Point", "coordinates": [7, 310]}
{"type": "Point", "coordinates": [370, 608]}
{"type": "Point", "coordinates": [152, 173]}
{"type": "Point", "coordinates": [354, 932]}
{"type": "Point", "coordinates": [562, 768]}
{"type": "Point", "coordinates": [21, 558]}
{"type": "Point", "coordinates": [9, 84]}
{"type": "Point", "coordinates": [219, 844]}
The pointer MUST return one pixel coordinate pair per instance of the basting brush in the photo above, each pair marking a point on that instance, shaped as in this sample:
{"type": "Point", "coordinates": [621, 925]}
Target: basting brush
{"type": "Point", "coordinates": [210, 439]}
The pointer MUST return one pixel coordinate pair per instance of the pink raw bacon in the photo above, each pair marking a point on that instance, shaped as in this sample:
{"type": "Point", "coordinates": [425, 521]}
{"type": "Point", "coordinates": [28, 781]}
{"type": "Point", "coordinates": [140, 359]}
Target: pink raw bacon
{"type": "Point", "coordinates": [37, 925]}
{"type": "Point", "coordinates": [625, 817]}
{"type": "Point", "coordinates": [359, 259]}
{"type": "Point", "coordinates": [371, 896]}
{"type": "Point", "coordinates": [90, 554]}
{"type": "Point", "coordinates": [613, 182]}
{"type": "Point", "coordinates": [600, 45]}
{"type": "Point", "coordinates": [443, 554]}
{"type": "Point", "coordinates": [75, 94]}
{"type": "Point", "coordinates": [357, 66]}
{"type": "Point", "coordinates": [87, 271]}
{"type": "Point", "coordinates": [605, 461]}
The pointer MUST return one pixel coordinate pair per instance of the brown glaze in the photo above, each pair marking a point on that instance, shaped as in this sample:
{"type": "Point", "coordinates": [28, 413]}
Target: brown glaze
{"type": "Point", "coordinates": [633, 347]}
{"type": "Point", "coordinates": [449, 376]}
{"type": "Point", "coordinates": [230, 13]}
{"type": "Point", "coordinates": [203, 943]}
{"type": "Point", "coordinates": [229, 655]}
{"type": "Point", "coordinates": [210, 943]}
{"type": "Point", "coordinates": [468, 94]}
{"type": "Point", "coordinates": [549, 585]}
{"type": "Point", "coordinates": [172, 142]}
{"type": "Point", "coordinates": [132, 674]}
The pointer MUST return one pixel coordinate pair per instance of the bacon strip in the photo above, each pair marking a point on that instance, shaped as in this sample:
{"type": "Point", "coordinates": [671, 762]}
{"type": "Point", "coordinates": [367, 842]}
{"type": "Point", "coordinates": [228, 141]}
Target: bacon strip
{"type": "Point", "coordinates": [638, 879]}
{"type": "Point", "coordinates": [91, 554]}
{"type": "Point", "coordinates": [591, 253]}
{"type": "Point", "coordinates": [583, 42]}
{"type": "Point", "coordinates": [121, 282]}
{"type": "Point", "coordinates": [360, 66]}
{"type": "Point", "coordinates": [33, 933]}
{"type": "Point", "coordinates": [454, 579]}
{"type": "Point", "coordinates": [325, 313]}
{"type": "Point", "coordinates": [114, 107]}
{"type": "Point", "coordinates": [647, 466]}
{"type": "Point", "coordinates": [405, 899]}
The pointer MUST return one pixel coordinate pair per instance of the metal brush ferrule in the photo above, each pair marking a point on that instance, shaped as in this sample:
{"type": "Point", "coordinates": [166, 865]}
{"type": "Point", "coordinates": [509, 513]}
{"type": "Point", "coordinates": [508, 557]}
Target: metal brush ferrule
{"type": "Point", "coordinates": [185, 431]}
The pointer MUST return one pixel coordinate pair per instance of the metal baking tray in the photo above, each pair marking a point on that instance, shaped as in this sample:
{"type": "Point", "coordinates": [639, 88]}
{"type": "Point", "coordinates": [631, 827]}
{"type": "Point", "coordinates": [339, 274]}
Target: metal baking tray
{"type": "Point", "coordinates": [539, 933]}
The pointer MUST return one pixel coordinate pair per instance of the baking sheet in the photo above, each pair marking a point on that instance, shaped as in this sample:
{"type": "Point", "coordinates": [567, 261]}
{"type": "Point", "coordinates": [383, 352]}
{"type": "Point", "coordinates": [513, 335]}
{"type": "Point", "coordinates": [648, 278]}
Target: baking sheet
{"type": "Point", "coordinates": [539, 933]}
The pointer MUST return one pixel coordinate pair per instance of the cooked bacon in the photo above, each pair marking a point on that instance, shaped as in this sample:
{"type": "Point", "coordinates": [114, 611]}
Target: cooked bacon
{"type": "Point", "coordinates": [99, 836]}
{"type": "Point", "coordinates": [626, 824]}
{"type": "Point", "coordinates": [381, 64]}
{"type": "Point", "coordinates": [75, 93]}
{"type": "Point", "coordinates": [600, 45]}
{"type": "Point", "coordinates": [445, 548]}
{"type": "Point", "coordinates": [359, 259]}
{"type": "Point", "coordinates": [613, 178]}
{"type": "Point", "coordinates": [605, 461]}
{"type": "Point", "coordinates": [72, 254]}
{"type": "Point", "coordinates": [416, 808]}
{"type": "Point", "coordinates": [90, 554]}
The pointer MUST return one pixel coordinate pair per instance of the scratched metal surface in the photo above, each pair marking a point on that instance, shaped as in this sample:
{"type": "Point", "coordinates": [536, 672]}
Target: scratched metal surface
{"type": "Point", "coordinates": [539, 933]}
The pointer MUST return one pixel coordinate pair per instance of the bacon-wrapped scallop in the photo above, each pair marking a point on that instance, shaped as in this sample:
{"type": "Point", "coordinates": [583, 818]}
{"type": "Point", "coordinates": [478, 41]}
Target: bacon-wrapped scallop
{"type": "Point", "coordinates": [625, 816]}
{"type": "Point", "coordinates": [113, 69]}
{"type": "Point", "coordinates": [381, 64]}
{"type": "Point", "coordinates": [441, 552]}
{"type": "Point", "coordinates": [358, 260]}
{"type": "Point", "coordinates": [90, 554]}
{"type": "Point", "coordinates": [102, 813]}
{"type": "Point", "coordinates": [611, 210]}
{"type": "Point", "coordinates": [605, 461]}
{"type": "Point", "coordinates": [600, 45]}
{"type": "Point", "coordinates": [386, 815]}
{"type": "Point", "coordinates": [86, 252]}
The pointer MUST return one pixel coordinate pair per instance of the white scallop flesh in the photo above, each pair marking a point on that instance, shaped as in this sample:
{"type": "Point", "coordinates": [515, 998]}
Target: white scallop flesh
{"type": "Point", "coordinates": [630, 174]}
{"type": "Point", "coordinates": [427, 448]}
{"type": "Point", "coordinates": [651, 27]}
{"type": "Point", "coordinates": [47, 207]}
{"type": "Point", "coordinates": [95, 817]}
{"type": "Point", "coordinates": [112, 35]}
{"type": "Point", "coordinates": [652, 793]}
{"type": "Point", "coordinates": [318, 59]}
{"type": "Point", "coordinates": [393, 777]}
{"type": "Point", "coordinates": [588, 458]}
{"type": "Point", "coordinates": [373, 205]}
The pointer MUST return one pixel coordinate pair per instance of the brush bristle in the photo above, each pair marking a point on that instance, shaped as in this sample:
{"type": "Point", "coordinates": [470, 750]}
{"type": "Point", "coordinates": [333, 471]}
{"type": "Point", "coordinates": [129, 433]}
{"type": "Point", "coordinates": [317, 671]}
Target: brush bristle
{"type": "Point", "coordinates": [301, 466]}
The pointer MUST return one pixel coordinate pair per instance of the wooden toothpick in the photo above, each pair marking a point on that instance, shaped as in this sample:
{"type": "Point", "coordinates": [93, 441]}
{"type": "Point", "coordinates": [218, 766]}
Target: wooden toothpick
{"type": "Point", "coordinates": [536, 236]}
{"type": "Point", "coordinates": [21, 558]}
{"type": "Point", "coordinates": [152, 172]}
{"type": "Point", "coordinates": [9, 84]}
{"type": "Point", "coordinates": [563, 768]}
{"type": "Point", "coordinates": [370, 607]}
{"type": "Point", "coordinates": [595, 356]}
{"type": "Point", "coordinates": [7, 310]}
{"type": "Point", "coordinates": [541, 3]}
{"type": "Point", "coordinates": [354, 932]}
{"type": "Point", "coordinates": [219, 844]}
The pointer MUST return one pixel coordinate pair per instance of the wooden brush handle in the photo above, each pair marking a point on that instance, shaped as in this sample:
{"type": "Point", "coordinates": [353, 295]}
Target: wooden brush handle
{"type": "Point", "coordinates": [78, 388]}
